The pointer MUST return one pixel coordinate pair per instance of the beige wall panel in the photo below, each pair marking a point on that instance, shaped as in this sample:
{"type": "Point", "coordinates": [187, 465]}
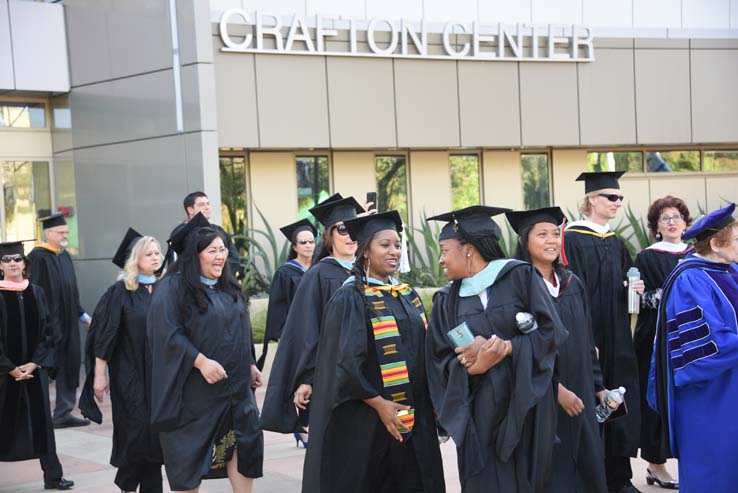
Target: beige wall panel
{"type": "Point", "coordinates": [430, 185]}
{"type": "Point", "coordinates": [714, 98]}
{"type": "Point", "coordinates": [293, 101]}
{"type": "Point", "coordinates": [503, 179]}
{"type": "Point", "coordinates": [567, 164]}
{"type": "Point", "coordinates": [20, 144]}
{"type": "Point", "coordinates": [489, 104]}
{"type": "Point", "coordinates": [688, 187]}
{"type": "Point", "coordinates": [427, 103]}
{"type": "Point", "coordinates": [273, 188]}
{"type": "Point", "coordinates": [354, 174]}
{"type": "Point", "coordinates": [235, 94]}
{"type": "Point", "coordinates": [549, 104]}
{"type": "Point", "coordinates": [662, 96]}
{"type": "Point", "coordinates": [361, 97]}
{"type": "Point", "coordinates": [720, 190]}
{"type": "Point", "coordinates": [607, 99]}
{"type": "Point", "coordinates": [635, 189]}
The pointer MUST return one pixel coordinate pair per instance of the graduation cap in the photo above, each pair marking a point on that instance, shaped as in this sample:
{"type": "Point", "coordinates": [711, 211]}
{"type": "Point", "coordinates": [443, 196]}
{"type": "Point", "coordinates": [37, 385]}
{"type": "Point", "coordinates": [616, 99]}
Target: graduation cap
{"type": "Point", "coordinates": [53, 220]}
{"type": "Point", "coordinates": [125, 247]}
{"type": "Point", "coordinates": [330, 212]}
{"type": "Point", "coordinates": [361, 228]}
{"type": "Point", "coordinates": [600, 180]}
{"type": "Point", "coordinates": [292, 230]}
{"type": "Point", "coordinates": [521, 220]}
{"type": "Point", "coordinates": [475, 220]}
{"type": "Point", "coordinates": [12, 248]}
{"type": "Point", "coordinates": [710, 224]}
{"type": "Point", "coordinates": [178, 239]}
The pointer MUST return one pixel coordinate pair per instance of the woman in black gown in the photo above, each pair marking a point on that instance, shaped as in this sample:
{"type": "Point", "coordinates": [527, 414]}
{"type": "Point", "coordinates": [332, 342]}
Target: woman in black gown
{"type": "Point", "coordinates": [26, 353]}
{"type": "Point", "coordinates": [301, 236]}
{"type": "Point", "coordinates": [578, 462]}
{"type": "Point", "coordinates": [668, 218]}
{"type": "Point", "coordinates": [494, 395]}
{"type": "Point", "coordinates": [291, 378]}
{"type": "Point", "coordinates": [117, 344]}
{"type": "Point", "coordinates": [202, 369]}
{"type": "Point", "coordinates": [372, 428]}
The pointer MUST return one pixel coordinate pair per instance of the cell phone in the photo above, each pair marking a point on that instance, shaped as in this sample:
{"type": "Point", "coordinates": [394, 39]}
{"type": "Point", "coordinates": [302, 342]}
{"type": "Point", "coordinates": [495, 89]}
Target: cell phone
{"type": "Point", "coordinates": [372, 197]}
{"type": "Point", "coordinates": [461, 335]}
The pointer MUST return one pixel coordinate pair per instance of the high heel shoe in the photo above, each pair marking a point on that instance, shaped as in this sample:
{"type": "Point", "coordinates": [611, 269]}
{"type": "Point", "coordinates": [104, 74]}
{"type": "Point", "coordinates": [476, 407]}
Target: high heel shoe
{"type": "Point", "coordinates": [651, 478]}
{"type": "Point", "coordinates": [299, 439]}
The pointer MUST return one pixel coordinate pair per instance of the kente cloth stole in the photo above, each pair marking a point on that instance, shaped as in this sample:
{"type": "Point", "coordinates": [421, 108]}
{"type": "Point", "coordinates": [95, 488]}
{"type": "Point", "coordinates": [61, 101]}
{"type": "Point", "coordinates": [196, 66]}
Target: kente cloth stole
{"type": "Point", "coordinates": [390, 351]}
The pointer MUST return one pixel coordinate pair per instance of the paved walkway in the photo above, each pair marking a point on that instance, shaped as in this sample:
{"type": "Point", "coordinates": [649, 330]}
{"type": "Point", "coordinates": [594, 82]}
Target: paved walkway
{"type": "Point", "coordinates": [85, 452]}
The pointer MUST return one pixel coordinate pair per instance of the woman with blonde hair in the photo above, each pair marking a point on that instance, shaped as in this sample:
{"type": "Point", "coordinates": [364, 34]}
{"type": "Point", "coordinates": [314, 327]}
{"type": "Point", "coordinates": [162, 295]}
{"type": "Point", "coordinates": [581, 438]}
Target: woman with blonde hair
{"type": "Point", "coordinates": [117, 345]}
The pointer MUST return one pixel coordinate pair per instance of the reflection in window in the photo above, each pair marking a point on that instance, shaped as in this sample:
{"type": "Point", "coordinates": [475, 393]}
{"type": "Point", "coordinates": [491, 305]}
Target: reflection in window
{"type": "Point", "coordinates": [721, 160]}
{"type": "Point", "coordinates": [535, 181]}
{"type": "Point", "coordinates": [22, 115]}
{"type": "Point", "coordinates": [665, 161]}
{"type": "Point", "coordinates": [464, 181]}
{"type": "Point", "coordinates": [615, 161]}
{"type": "Point", "coordinates": [26, 192]}
{"type": "Point", "coordinates": [233, 193]}
{"type": "Point", "coordinates": [392, 184]}
{"type": "Point", "coordinates": [312, 183]}
{"type": "Point", "coordinates": [65, 191]}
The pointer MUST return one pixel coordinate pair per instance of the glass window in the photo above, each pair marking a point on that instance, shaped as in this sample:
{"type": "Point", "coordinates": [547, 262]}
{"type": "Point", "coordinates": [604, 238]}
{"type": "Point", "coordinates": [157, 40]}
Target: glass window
{"type": "Point", "coordinates": [615, 161]}
{"type": "Point", "coordinates": [721, 160]}
{"type": "Point", "coordinates": [22, 115]}
{"type": "Point", "coordinates": [665, 161]}
{"type": "Point", "coordinates": [392, 184]}
{"type": "Point", "coordinates": [233, 193]}
{"type": "Point", "coordinates": [65, 191]}
{"type": "Point", "coordinates": [464, 180]}
{"type": "Point", "coordinates": [312, 183]}
{"type": "Point", "coordinates": [535, 181]}
{"type": "Point", "coordinates": [26, 193]}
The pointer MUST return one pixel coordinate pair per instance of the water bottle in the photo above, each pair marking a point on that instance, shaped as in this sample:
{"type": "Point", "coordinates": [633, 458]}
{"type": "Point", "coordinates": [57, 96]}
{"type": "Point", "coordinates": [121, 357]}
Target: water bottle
{"type": "Point", "coordinates": [634, 299]}
{"type": "Point", "coordinates": [613, 400]}
{"type": "Point", "coordinates": [525, 322]}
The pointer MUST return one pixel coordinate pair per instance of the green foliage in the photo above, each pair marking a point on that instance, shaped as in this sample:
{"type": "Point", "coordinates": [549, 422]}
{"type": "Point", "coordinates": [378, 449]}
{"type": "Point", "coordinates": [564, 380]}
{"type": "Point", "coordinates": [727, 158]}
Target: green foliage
{"type": "Point", "coordinates": [392, 184]}
{"type": "Point", "coordinates": [511, 243]}
{"type": "Point", "coordinates": [535, 180]}
{"type": "Point", "coordinates": [426, 271]}
{"type": "Point", "coordinates": [258, 325]}
{"type": "Point", "coordinates": [464, 180]}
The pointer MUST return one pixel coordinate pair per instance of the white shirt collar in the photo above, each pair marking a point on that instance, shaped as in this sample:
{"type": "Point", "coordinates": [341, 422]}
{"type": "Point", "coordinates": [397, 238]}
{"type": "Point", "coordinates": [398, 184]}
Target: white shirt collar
{"type": "Point", "coordinates": [669, 247]}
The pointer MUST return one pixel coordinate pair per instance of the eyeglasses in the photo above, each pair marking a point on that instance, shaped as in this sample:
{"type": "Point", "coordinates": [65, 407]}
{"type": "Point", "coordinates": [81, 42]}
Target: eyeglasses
{"type": "Point", "coordinates": [671, 219]}
{"type": "Point", "coordinates": [305, 242]}
{"type": "Point", "coordinates": [612, 197]}
{"type": "Point", "coordinates": [6, 259]}
{"type": "Point", "coordinates": [341, 228]}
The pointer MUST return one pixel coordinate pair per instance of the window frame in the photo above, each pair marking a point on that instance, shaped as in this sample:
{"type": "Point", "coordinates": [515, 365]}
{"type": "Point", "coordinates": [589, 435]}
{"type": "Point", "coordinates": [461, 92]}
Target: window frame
{"type": "Point", "coordinates": [246, 155]}
{"type": "Point", "coordinates": [479, 153]}
{"type": "Point", "coordinates": [548, 151]}
{"type": "Point", "coordinates": [408, 180]}
{"type": "Point", "coordinates": [47, 113]}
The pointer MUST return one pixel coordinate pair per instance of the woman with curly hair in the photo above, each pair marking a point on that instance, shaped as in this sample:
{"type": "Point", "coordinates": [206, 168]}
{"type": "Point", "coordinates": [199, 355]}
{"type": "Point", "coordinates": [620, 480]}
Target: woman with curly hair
{"type": "Point", "coordinates": [668, 218]}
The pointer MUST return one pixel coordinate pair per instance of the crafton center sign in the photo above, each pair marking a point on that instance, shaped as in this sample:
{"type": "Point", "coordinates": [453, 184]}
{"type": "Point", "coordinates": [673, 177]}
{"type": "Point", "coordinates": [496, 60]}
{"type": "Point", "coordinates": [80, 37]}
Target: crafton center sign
{"type": "Point", "coordinates": [261, 32]}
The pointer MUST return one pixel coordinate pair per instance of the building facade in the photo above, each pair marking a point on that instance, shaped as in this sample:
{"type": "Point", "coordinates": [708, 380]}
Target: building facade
{"type": "Point", "coordinates": [269, 106]}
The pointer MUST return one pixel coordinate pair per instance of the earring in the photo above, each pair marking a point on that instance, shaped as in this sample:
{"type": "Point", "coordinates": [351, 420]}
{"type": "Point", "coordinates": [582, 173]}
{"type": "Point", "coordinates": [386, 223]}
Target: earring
{"type": "Point", "coordinates": [659, 236]}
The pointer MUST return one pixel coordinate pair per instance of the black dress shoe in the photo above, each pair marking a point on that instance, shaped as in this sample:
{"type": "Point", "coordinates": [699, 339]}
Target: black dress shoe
{"type": "Point", "coordinates": [651, 478]}
{"type": "Point", "coordinates": [59, 484]}
{"type": "Point", "coordinates": [70, 422]}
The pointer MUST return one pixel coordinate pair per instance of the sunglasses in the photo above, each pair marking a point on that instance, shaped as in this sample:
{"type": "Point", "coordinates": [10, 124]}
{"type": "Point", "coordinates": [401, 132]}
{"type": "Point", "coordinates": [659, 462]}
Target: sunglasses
{"type": "Point", "coordinates": [612, 197]}
{"type": "Point", "coordinates": [341, 228]}
{"type": "Point", "coordinates": [305, 242]}
{"type": "Point", "coordinates": [6, 259]}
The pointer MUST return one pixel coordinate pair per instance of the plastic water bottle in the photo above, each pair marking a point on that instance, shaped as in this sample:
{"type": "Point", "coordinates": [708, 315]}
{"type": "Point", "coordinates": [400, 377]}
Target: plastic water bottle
{"type": "Point", "coordinates": [613, 400]}
{"type": "Point", "coordinates": [525, 322]}
{"type": "Point", "coordinates": [634, 299]}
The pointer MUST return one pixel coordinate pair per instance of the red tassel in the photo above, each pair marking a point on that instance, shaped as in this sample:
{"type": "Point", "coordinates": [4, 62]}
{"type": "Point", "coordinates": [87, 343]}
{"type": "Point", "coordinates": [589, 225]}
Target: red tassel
{"type": "Point", "coordinates": [564, 261]}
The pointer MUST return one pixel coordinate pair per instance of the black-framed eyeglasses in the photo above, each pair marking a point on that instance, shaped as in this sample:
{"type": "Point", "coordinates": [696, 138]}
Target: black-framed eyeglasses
{"type": "Point", "coordinates": [671, 219]}
{"type": "Point", "coordinates": [612, 197]}
{"type": "Point", "coordinates": [305, 242]}
{"type": "Point", "coordinates": [6, 259]}
{"type": "Point", "coordinates": [341, 228]}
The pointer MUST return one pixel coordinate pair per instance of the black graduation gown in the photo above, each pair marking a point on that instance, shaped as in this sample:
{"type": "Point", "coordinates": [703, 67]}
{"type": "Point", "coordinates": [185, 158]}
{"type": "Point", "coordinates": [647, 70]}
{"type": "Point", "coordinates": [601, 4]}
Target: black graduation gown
{"type": "Point", "coordinates": [188, 412]}
{"type": "Point", "coordinates": [54, 273]}
{"type": "Point", "coordinates": [601, 262]}
{"type": "Point", "coordinates": [284, 287]}
{"type": "Point", "coordinates": [346, 435]}
{"type": "Point", "coordinates": [655, 266]}
{"type": "Point", "coordinates": [578, 463]}
{"type": "Point", "coordinates": [294, 363]}
{"type": "Point", "coordinates": [26, 430]}
{"type": "Point", "coordinates": [503, 421]}
{"type": "Point", "coordinates": [118, 336]}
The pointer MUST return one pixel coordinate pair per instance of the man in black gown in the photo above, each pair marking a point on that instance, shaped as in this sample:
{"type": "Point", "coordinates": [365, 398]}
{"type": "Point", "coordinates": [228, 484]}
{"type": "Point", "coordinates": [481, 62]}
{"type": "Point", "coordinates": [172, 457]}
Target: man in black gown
{"type": "Point", "coordinates": [601, 261]}
{"type": "Point", "coordinates": [52, 270]}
